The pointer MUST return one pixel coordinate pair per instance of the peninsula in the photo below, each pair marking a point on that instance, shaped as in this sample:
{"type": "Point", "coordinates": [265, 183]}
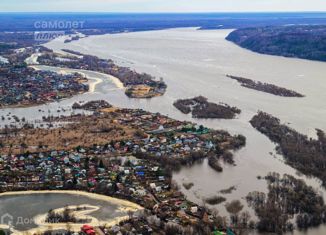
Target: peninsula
{"type": "Point", "coordinates": [138, 85]}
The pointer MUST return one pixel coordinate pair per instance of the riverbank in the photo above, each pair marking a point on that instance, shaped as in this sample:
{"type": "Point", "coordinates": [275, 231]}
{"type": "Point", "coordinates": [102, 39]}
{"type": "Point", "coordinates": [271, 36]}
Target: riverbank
{"type": "Point", "coordinates": [23, 86]}
{"type": "Point", "coordinates": [92, 85]}
{"type": "Point", "coordinates": [97, 80]}
{"type": "Point", "coordinates": [298, 41]}
{"type": "Point", "coordinates": [129, 205]}
{"type": "Point", "coordinates": [138, 85]}
{"type": "Point", "coordinates": [51, 86]}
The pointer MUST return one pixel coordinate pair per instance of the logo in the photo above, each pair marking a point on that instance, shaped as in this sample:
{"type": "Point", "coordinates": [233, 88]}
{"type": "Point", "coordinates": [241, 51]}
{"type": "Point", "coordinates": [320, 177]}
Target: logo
{"type": "Point", "coordinates": [7, 219]}
{"type": "Point", "coordinates": [47, 35]}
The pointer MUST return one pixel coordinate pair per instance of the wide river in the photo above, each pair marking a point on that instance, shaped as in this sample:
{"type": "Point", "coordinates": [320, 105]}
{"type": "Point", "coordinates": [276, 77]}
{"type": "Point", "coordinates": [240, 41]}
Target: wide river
{"type": "Point", "coordinates": [195, 62]}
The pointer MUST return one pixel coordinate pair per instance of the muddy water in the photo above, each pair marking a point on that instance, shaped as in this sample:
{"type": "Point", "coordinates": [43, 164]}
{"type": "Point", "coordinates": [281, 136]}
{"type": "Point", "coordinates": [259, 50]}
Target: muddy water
{"type": "Point", "coordinates": [195, 62]}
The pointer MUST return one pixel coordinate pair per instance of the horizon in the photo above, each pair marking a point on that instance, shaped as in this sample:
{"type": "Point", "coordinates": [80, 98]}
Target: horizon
{"type": "Point", "coordinates": [162, 117]}
{"type": "Point", "coordinates": [165, 13]}
{"type": "Point", "coordinates": [163, 6]}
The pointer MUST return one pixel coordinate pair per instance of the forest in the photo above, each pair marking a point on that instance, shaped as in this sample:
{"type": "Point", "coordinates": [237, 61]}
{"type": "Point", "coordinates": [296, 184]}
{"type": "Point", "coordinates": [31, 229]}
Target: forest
{"type": "Point", "coordinates": [265, 87]}
{"type": "Point", "coordinates": [300, 41]}
{"type": "Point", "coordinates": [304, 154]}
{"type": "Point", "coordinates": [288, 198]}
{"type": "Point", "coordinates": [201, 108]}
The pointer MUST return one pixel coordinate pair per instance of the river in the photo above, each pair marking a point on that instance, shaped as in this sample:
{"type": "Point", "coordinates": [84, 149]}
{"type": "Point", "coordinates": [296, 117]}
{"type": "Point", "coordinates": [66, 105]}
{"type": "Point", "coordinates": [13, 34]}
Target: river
{"type": "Point", "coordinates": [195, 62]}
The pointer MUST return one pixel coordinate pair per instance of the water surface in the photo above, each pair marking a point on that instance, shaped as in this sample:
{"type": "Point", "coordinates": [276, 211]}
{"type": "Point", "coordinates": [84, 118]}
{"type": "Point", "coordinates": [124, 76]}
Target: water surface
{"type": "Point", "coordinates": [27, 206]}
{"type": "Point", "coordinates": [195, 62]}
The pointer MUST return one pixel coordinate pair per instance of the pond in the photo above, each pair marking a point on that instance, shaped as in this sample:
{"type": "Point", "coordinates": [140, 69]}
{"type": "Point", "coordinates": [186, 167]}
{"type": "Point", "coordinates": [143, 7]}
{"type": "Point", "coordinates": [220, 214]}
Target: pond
{"type": "Point", "coordinates": [26, 211]}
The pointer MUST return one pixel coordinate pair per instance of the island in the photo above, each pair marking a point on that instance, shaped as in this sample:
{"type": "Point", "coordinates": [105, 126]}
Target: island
{"type": "Point", "coordinates": [305, 154]}
{"type": "Point", "coordinates": [199, 107]}
{"type": "Point", "coordinates": [92, 105]}
{"type": "Point", "coordinates": [299, 41]}
{"type": "Point", "coordinates": [265, 87]}
{"type": "Point", "coordinates": [72, 38]}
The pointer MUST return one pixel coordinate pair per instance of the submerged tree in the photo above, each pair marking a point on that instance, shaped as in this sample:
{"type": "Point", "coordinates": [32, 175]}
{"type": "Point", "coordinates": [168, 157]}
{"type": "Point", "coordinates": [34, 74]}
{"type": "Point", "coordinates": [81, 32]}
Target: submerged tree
{"type": "Point", "coordinates": [234, 207]}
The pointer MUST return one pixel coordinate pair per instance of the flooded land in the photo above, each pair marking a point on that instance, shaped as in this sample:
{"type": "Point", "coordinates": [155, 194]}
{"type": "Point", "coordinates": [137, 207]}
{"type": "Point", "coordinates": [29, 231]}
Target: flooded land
{"type": "Point", "coordinates": [195, 65]}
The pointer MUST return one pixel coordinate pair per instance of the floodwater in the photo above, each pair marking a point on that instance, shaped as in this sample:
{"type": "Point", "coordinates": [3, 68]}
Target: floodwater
{"type": "Point", "coordinates": [100, 84]}
{"type": "Point", "coordinates": [195, 62]}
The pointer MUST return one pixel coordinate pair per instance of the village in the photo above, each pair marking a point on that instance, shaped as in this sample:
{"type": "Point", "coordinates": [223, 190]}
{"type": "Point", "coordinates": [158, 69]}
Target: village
{"type": "Point", "coordinates": [137, 131]}
{"type": "Point", "coordinates": [137, 167]}
{"type": "Point", "coordinates": [21, 85]}
{"type": "Point", "coordinates": [138, 85]}
{"type": "Point", "coordinates": [124, 153]}
{"type": "Point", "coordinates": [140, 181]}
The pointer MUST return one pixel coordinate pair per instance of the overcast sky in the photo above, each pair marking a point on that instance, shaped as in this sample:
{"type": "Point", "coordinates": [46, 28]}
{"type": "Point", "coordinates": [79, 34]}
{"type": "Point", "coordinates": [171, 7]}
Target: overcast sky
{"type": "Point", "coordinates": [162, 5]}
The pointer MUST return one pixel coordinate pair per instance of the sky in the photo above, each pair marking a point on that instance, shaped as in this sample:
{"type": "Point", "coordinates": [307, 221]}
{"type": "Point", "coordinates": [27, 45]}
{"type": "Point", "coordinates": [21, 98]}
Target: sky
{"type": "Point", "coordinates": [161, 5]}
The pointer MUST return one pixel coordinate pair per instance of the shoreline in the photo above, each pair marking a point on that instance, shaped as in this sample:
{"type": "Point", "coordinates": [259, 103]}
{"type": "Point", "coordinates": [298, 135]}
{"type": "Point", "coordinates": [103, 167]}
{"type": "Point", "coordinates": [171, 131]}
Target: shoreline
{"type": "Point", "coordinates": [95, 196]}
{"type": "Point", "coordinates": [63, 226]}
{"type": "Point", "coordinates": [113, 79]}
{"type": "Point", "coordinates": [26, 106]}
{"type": "Point", "coordinates": [40, 220]}
{"type": "Point", "coordinates": [92, 85]}
{"type": "Point", "coordinates": [138, 85]}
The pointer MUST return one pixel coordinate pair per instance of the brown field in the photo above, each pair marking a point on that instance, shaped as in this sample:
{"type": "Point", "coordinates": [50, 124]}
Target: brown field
{"type": "Point", "coordinates": [80, 131]}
